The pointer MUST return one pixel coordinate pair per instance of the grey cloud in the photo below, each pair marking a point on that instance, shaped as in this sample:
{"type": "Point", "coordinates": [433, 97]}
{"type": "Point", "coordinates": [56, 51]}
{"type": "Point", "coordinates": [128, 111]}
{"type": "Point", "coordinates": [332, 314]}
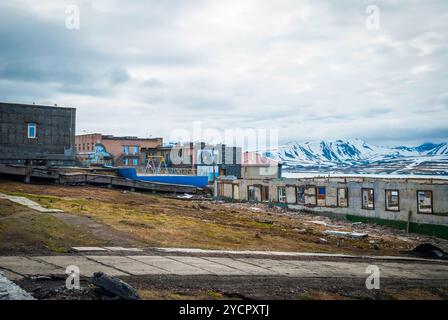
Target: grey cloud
{"type": "Point", "coordinates": [244, 64]}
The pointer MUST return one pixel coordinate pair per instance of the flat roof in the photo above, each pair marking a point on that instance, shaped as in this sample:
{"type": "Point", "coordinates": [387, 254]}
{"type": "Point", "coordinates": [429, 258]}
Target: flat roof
{"type": "Point", "coordinates": [36, 105]}
{"type": "Point", "coordinates": [320, 175]}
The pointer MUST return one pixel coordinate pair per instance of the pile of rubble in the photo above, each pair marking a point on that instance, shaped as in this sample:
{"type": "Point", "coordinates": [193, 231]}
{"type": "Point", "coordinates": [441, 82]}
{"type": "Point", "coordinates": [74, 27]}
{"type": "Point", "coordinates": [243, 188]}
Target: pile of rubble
{"type": "Point", "coordinates": [10, 291]}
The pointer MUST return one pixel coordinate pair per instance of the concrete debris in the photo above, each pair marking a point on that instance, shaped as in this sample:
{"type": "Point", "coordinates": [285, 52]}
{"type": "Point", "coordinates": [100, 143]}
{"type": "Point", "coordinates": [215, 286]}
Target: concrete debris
{"type": "Point", "coordinates": [354, 235]}
{"type": "Point", "coordinates": [123, 249]}
{"type": "Point", "coordinates": [185, 196]}
{"type": "Point", "coordinates": [89, 249]}
{"type": "Point", "coordinates": [82, 249]}
{"type": "Point", "coordinates": [323, 223]}
{"type": "Point", "coordinates": [115, 286]}
{"type": "Point", "coordinates": [28, 203]}
{"type": "Point", "coordinates": [429, 251]}
{"type": "Point", "coordinates": [10, 291]}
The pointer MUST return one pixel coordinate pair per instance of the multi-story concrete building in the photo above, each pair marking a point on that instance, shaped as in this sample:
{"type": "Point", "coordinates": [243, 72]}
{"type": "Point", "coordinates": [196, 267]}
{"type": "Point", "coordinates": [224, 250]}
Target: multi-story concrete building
{"type": "Point", "coordinates": [217, 160]}
{"type": "Point", "coordinates": [37, 135]}
{"type": "Point", "coordinates": [119, 151]}
{"type": "Point", "coordinates": [416, 204]}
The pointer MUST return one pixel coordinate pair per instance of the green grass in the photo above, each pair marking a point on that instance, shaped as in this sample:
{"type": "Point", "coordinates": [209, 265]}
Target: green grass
{"type": "Point", "coordinates": [24, 230]}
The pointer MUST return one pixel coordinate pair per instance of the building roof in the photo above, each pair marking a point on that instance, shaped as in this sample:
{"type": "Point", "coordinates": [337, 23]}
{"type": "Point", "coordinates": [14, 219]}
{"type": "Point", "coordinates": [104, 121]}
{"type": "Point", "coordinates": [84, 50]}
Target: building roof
{"type": "Point", "coordinates": [255, 159]}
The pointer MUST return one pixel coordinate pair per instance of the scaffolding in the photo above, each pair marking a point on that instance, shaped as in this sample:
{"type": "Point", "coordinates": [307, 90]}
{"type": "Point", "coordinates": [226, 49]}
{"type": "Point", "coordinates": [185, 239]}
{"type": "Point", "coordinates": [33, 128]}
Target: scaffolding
{"type": "Point", "coordinates": [152, 167]}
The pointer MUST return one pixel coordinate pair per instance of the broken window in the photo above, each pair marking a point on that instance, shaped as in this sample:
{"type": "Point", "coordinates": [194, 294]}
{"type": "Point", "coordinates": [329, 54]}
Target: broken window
{"type": "Point", "coordinates": [251, 193]}
{"type": "Point", "coordinates": [281, 192]}
{"type": "Point", "coordinates": [368, 199]}
{"type": "Point", "coordinates": [392, 200]}
{"type": "Point", "coordinates": [300, 195]}
{"type": "Point", "coordinates": [424, 201]}
{"type": "Point", "coordinates": [32, 130]}
{"type": "Point", "coordinates": [321, 196]}
{"type": "Point", "coordinates": [342, 197]}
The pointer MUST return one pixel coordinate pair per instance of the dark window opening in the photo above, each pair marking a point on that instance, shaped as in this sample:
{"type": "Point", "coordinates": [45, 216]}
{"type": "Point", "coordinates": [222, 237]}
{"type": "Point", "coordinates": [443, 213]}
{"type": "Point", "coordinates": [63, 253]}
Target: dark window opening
{"type": "Point", "coordinates": [281, 192]}
{"type": "Point", "coordinates": [368, 199]}
{"type": "Point", "coordinates": [321, 196]}
{"type": "Point", "coordinates": [392, 200]}
{"type": "Point", "coordinates": [300, 195]}
{"type": "Point", "coordinates": [343, 197]}
{"type": "Point", "coordinates": [424, 202]}
{"type": "Point", "coordinates": [251, 193]}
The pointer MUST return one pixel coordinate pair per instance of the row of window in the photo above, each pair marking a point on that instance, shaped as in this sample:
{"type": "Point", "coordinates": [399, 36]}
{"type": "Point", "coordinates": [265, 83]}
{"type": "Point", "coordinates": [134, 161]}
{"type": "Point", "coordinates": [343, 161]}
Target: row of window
{"type": "Point", "coordinates": [130, 161]}
{"type": "Point", "coordinates": [319, 194]}
{"type": "Point", "coordinates": [130, 149]}
{"type": "Point", "coordinates": [85, 146]}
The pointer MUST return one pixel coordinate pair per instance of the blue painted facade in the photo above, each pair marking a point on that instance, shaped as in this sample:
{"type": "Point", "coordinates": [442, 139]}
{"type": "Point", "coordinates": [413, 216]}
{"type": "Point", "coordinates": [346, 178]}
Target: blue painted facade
{"type": "Point", "coordinates": [197, 181]}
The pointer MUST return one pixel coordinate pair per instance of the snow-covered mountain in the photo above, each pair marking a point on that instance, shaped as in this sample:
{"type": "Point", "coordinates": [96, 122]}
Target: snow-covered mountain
{"type": "Point", "coordinates": [356, 155]}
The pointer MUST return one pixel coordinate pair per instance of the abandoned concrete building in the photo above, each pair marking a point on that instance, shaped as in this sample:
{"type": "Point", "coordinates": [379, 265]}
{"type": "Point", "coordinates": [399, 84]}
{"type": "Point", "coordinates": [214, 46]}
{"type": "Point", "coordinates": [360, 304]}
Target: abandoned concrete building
{"type": "Point", "coordinates": [37, 135]}
{"type": "Point", "coordinates": [218, 160]}
{"type": "Point", "coordinates": [416, 204]}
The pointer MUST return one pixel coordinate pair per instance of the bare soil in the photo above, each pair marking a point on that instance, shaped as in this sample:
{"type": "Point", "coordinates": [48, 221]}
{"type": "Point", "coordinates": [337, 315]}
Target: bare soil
{"type": "Point", "coordinates": [244, 288]}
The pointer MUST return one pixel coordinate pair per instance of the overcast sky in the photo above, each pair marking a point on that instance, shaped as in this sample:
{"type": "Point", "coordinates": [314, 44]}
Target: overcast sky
{"type": "Point", "coordinates": [308, 68]}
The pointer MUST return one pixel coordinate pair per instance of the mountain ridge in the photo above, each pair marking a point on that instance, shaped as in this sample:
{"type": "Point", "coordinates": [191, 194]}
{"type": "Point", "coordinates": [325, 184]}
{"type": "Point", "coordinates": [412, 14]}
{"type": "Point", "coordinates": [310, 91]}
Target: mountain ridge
{"type": "Point", "coordinates": [357, 154]}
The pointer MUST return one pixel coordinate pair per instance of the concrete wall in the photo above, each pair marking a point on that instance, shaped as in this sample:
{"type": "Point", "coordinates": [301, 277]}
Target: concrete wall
{"type": "Point", "coordinates": [259, 172]}
{"type": "Point", "coordinates": [54, 143]}
{"type": "Point", "coordinates": [407, 189]}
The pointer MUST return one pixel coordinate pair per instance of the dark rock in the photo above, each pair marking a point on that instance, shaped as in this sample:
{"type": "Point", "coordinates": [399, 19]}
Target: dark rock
{"type": "Point", "coordinates": [115, 286]}
{"type": "Point", "coordinates": [427, 250]}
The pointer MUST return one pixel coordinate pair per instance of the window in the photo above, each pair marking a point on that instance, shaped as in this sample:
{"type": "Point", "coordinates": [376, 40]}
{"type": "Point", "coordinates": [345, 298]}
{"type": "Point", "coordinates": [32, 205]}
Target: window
{"type": "Point", "coordinates": [321, 196]}
{"type": "Point", "coordinates": [300, 195]}
{"type": "Point", "coordinates": [126, 162]}
{"type": "Point", "coordinates": [281, 192]}
{"type": "Point", "coordinates": [343, 197]}
{"type": "Point", "coordinates": [135, 162]}
{"type": "Point", "coordinates": [265, 193]}
{"type": "Point", "coordinates": [235, 192]}
{"type": "Point", "coordinates": [392, 200]}
{"type": "Point", "coordinates": [424, 201]}
{"type": "Point", "coordinates": [135, 150]}
{"type": "Point", "coordinates": [221, 190]}
{"type": "Point", "coordinates": [32, 130]}
{"type": "Point", "coordinates": [368, 200]}
{"type": "Point", "coordinates": [126, 149]}
{"type": "Point", "coordinates": [251, 193]}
